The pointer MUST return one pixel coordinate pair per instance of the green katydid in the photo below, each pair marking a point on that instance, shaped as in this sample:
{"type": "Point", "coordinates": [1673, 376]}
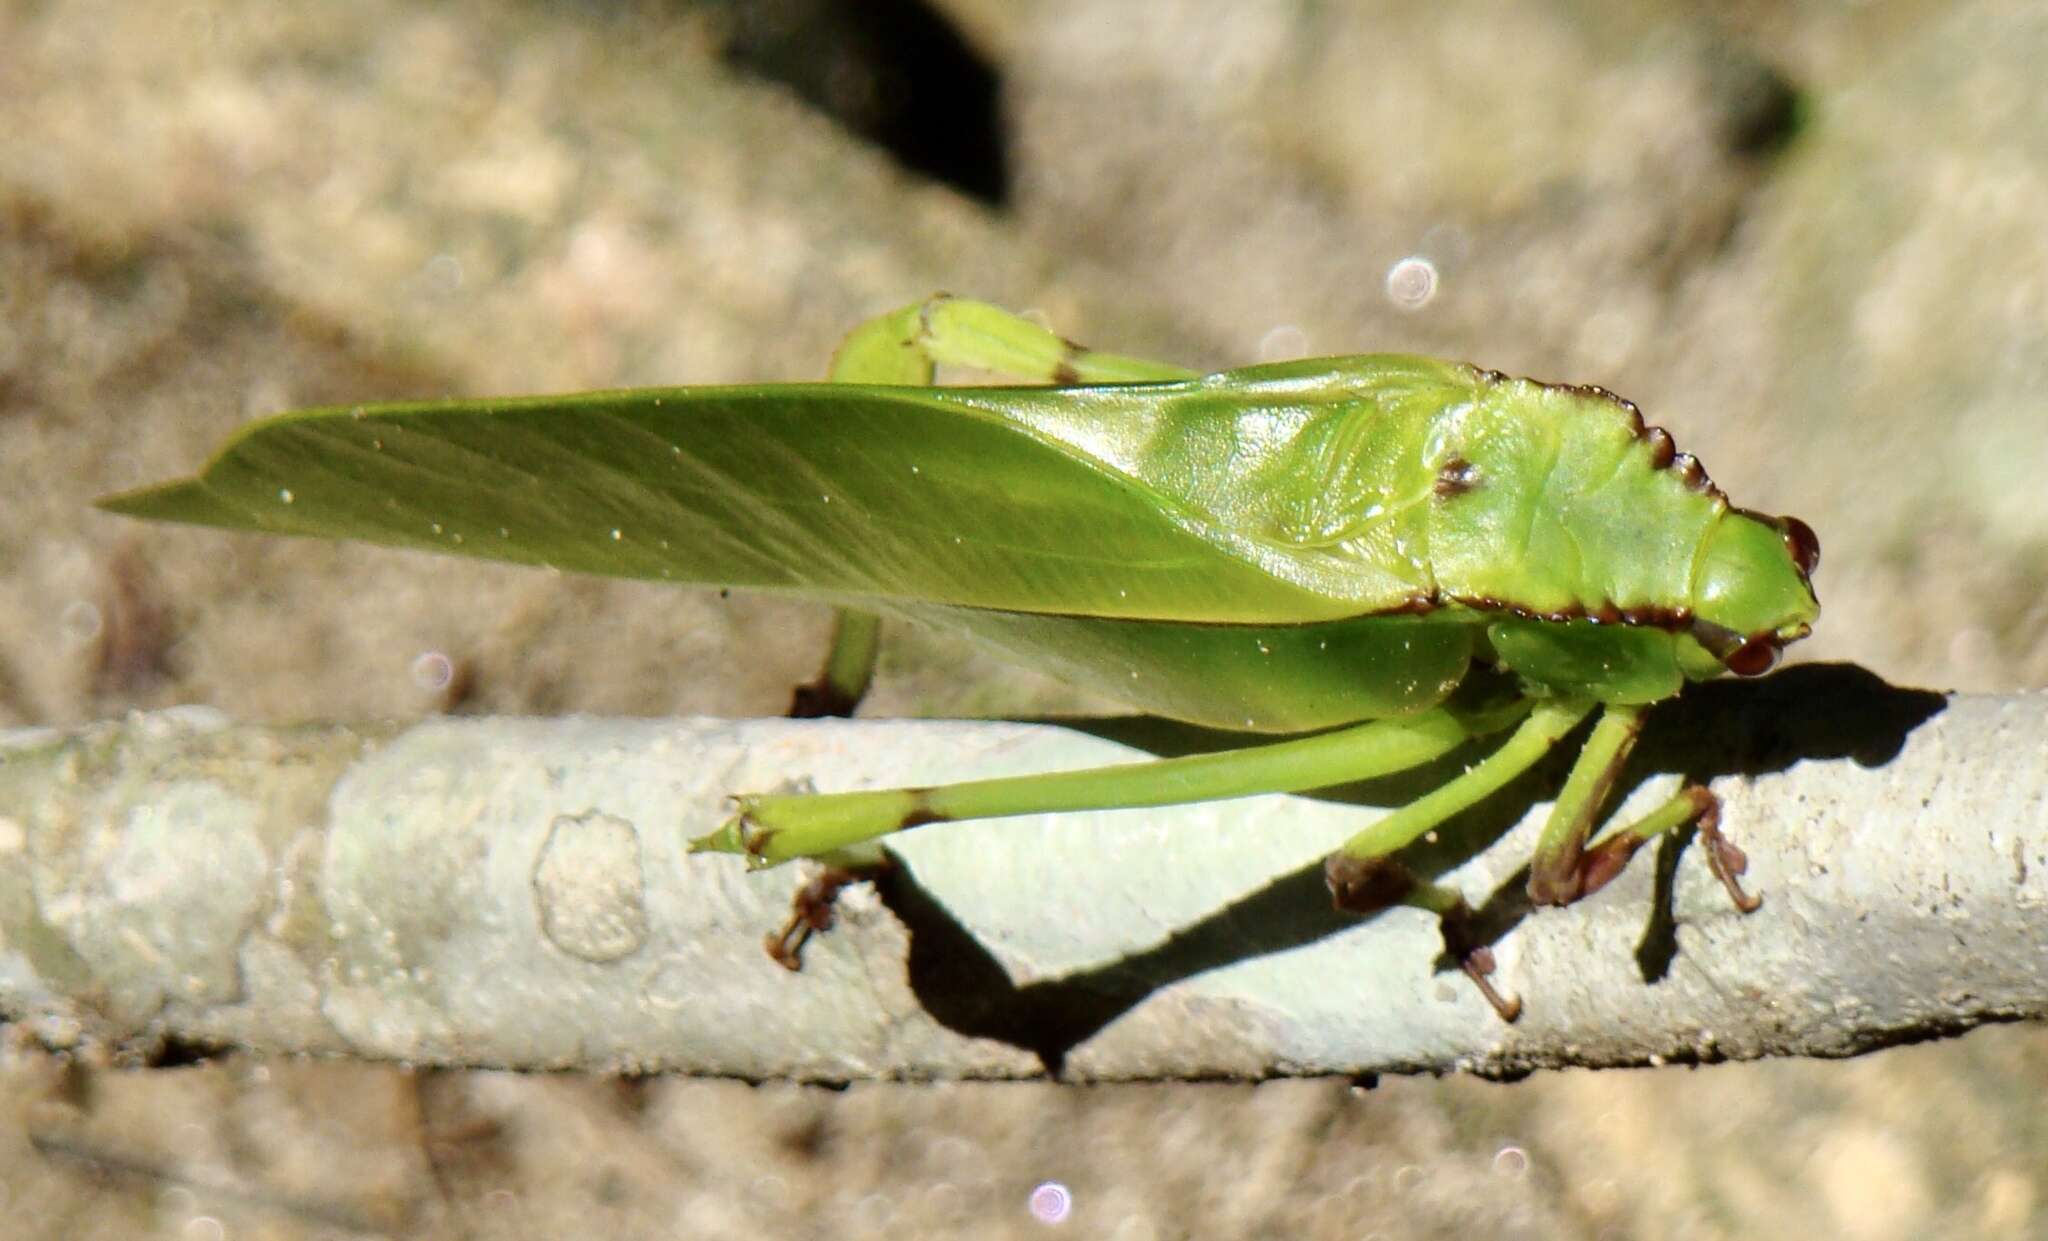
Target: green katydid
{"type": "Point", "coordinates": [1362, 551]}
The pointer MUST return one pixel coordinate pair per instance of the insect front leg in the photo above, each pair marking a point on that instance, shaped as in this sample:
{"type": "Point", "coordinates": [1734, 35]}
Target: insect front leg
{"type": "Point", "coordinates": [849, 668]}
{"type": "Point", "coordinates": [1365, 877]}
{"type": "Point", "coordinates": [907, 346]}
{"type": "Point", "coordinates": [1566, 869]}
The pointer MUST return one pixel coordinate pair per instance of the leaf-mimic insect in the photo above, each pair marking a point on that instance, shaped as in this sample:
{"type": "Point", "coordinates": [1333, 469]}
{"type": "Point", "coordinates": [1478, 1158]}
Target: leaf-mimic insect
{"type": "Point", "coordinates": [1385, 556]}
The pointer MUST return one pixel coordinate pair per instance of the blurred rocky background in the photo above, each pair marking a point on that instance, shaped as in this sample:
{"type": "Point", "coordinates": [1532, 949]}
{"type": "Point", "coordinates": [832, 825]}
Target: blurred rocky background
{"type": "Point", "coordinates": [1807, 237]}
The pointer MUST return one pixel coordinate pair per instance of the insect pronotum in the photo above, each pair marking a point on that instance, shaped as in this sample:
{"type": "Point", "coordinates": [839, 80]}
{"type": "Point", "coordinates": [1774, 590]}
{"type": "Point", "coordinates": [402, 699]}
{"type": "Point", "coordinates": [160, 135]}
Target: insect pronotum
{"type": "Point", "coordinates": [1419, 552]}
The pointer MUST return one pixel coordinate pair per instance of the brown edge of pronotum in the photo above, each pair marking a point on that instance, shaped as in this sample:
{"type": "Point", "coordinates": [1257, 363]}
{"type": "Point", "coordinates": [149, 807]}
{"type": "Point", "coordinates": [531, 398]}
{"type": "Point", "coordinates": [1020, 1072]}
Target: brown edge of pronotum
{"type": "Point", "coordinates": [1743, 654]}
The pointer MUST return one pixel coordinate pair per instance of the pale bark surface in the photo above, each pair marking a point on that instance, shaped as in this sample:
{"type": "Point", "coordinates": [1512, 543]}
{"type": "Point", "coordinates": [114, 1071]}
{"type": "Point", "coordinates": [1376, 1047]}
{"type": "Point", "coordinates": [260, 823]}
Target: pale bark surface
{"type": "Point", "coordinates": [514, 892]}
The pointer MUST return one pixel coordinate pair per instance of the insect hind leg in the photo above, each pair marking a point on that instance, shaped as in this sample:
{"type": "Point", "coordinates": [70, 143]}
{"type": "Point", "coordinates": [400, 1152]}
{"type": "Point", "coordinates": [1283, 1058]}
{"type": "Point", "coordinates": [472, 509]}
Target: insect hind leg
{"type": "Point", "coordinates": [907, 346]}
{"type": "Point", "coordinates": [840, 829]}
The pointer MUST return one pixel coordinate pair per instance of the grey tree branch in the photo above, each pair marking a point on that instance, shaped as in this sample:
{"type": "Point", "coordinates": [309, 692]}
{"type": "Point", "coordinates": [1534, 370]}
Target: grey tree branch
{"type": "Point", "coordinates": [514, 892]}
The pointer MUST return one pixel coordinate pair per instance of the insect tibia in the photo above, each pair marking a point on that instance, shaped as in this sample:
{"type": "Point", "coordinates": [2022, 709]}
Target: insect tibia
{"type": "Point", "coordinates": [730, 837]}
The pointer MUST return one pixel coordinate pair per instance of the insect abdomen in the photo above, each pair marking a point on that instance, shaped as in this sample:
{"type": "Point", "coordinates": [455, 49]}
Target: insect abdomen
{"type": "Point", "coordinates": [1254, 678]}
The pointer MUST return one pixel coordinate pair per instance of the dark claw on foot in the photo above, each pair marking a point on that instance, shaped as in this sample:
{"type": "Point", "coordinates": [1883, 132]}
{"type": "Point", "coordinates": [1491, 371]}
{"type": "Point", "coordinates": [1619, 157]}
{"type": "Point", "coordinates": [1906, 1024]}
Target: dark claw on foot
{"type": "Point", "coordinates": [1725, 860]}
{"type": "Point", "coordinates": [810, 912]}
{"type": "Point", "coordinates": [1476, 959]}
{"type": "Point", "coordinates": [782, 950]}
{"type": "Point", "coordinates": [1478, 966]}
{"type": "Point", "coordinates": [1368, 885]}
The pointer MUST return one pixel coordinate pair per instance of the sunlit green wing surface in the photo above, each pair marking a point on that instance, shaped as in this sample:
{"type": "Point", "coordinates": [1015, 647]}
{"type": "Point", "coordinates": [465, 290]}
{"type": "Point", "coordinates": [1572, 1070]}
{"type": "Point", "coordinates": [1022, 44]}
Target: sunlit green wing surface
{"type": "Point", "coordinates": [1156, 501]}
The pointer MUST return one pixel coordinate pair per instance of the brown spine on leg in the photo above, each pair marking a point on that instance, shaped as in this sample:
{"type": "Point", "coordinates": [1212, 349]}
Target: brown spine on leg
{"type": "Point", "coordinates": [1604, 861]}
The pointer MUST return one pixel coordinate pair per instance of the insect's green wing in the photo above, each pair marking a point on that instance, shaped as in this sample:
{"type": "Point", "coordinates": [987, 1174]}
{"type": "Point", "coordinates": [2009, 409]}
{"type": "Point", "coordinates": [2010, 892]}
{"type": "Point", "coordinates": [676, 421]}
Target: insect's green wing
{"type": "Point", "coordinates": [1150, 501]}
{"type": "Point", "coordinates": [850, 494]}
{"type": "Point", "coordinates": [1318, 471]}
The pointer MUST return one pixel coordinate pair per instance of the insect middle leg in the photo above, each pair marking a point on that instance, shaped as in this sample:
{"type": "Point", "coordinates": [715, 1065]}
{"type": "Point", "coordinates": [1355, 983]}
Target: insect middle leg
{"type": "Point", "coordinates": [907, 346]}
{"type": "Point", "coordinates": [1364, 876]}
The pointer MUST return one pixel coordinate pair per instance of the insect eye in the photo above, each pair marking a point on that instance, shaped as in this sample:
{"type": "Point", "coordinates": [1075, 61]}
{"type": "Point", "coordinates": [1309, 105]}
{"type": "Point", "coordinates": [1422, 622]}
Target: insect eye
{"type": "Point", "coordinates": [1802, 543]}
{"type": "Point", "coordinates": [1753, 658]}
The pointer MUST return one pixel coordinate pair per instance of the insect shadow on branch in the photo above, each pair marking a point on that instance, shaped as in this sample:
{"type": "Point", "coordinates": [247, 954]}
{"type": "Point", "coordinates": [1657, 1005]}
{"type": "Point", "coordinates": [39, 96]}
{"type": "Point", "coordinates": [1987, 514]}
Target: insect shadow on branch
{"type": "Point", "coordinates": [1809, 713]}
